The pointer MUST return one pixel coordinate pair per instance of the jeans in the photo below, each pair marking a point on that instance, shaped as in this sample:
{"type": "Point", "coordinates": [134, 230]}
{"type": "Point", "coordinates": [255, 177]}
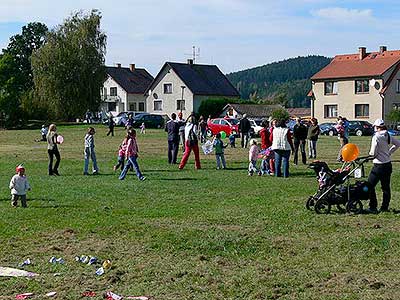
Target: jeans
{"type": "Point", "coordinates": [245, 139]}
{"type": "Point", "coordinates": [53, 153]}
{"type": "Point", "coordinates": [282, 158]}
{"type": "Point", "coordinates": [302, 145]}
{"type": "Point", "coordinates": [172, 151]}
{"type": "Point", "coordinates": [312, 148]}
{"type": "Point", "coordinates": [89, 153]}
{"type": "Point", "coordinates": [382, 173]}
{"type": "Point", "coordinates": [220, 158]}
{"type": "Point", "coordinates": [132, 161]}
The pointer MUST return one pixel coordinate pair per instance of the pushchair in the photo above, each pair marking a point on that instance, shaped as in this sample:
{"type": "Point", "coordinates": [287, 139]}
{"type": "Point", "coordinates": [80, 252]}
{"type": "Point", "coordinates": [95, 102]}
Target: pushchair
{"type": "Point", "coordinates": [335, 188]}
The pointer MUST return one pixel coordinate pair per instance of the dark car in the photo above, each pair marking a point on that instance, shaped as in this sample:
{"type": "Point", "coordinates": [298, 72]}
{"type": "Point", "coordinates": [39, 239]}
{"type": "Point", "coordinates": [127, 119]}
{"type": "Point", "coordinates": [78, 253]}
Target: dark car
{"type": "Point", "coordinates": [149, 120]}
{"type": "Point", "coordinates": [360, 128]}
{"type": "Point", "coordinates": [328, 129]}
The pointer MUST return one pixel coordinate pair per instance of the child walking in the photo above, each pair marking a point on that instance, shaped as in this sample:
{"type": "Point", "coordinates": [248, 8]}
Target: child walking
{"type": "Point", "coordinates": [253, 154]}
{"type": "Point", "coordinates": [132, 154]}
{"type": "Point", "coordinates": [142, 129]}
{"type": "Point", "coordinates": [219, 151]}
{"type": "Point", "coordinates": [89, 152]}
{"type": "Point", "coordinates": [121, 155]}
{"type": "Point", "coordinates": [19, 185]}
{"type": "Point", "coordinates": [232, 139]}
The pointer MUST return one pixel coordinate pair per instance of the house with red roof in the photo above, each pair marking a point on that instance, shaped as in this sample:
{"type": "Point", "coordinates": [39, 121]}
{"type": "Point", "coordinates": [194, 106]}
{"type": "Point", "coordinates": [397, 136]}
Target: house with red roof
{"type": "Point", "coordinates": [361, 86]}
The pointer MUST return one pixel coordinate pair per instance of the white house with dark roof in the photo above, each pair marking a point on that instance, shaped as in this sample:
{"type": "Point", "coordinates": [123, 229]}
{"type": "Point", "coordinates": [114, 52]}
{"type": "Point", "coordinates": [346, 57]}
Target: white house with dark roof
{"type": "Point", "coordinates": [359, 86]}
{"type": "Point", "coordinates": [124, 89]}
{"type": "Point", "coordinates": [182, 87]}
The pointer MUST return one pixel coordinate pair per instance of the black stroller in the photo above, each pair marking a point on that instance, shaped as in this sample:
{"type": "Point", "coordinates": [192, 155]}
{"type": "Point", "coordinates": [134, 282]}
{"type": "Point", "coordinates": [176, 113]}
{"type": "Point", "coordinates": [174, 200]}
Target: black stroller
{"type": "Point", "coordinates": [335, 187]}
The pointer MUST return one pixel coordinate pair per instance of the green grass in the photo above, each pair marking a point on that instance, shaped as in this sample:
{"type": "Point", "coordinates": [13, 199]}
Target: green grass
{"type": "Point", "coordinates": [188, 234]}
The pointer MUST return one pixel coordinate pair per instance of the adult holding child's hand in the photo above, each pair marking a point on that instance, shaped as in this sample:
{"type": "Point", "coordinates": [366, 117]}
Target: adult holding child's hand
{"type": "Point", "coordinates": [52, 149]}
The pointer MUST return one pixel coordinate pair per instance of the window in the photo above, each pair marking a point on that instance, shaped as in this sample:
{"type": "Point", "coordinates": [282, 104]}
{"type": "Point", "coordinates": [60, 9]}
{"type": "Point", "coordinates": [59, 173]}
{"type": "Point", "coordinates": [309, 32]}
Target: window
{"type": "Point", "coordinates": [167, 88]}
{"type": "Point", "coordinates": [223, 122]}
{"type": "Point", "coordinates": [215, 121]}
{"type": "Point", "coordinates": [330, 111]}
{"type": "Point", "coordinates": [396, 106]}
{"type": "Point", "coordinates": [180, 104]}
{"type": "Point", "coordinates": [141, 106]}
{"type": "Point", "coordinates": [133, 106]}
{"type": "Point", "coordinates": [157, 105]}
{"type": "Point", "coordinates": [331, 88]}
{"type": "Point", "coordinates": [105, 92]}
{"type": "Point", "coordinates": [113, 91]}
{"type": "Point", "coordinates": [362, 110]}
{"type": "Point", "coordinates": [111, 106]}
{"type": "Point", "coordinates": [398, 86]}
{"type": "Point", "coordinates": [362, 86]}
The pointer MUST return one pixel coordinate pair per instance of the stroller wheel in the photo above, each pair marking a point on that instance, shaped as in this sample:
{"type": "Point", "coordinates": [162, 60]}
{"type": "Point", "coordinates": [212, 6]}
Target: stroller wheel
{"type": "Point", "coordinates": [354, 206]}
{"type": "Point", "coordinates": [310, 203]}
{"type": "Point", "coordinates": [322, 206]}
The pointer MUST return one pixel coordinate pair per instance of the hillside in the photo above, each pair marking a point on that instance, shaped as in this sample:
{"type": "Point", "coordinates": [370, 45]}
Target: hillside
{"type": "Point", "coordinates": [288, 79]}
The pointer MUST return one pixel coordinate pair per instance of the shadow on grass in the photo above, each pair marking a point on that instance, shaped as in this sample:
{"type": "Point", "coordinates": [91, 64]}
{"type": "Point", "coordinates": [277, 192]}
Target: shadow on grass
{"type": "Point", "coordinates": [184, 178]}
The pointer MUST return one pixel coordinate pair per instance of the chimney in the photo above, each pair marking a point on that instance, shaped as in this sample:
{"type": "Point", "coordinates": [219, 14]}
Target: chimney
{"type": "Point", "coordinates": [362, 51]}
{"type": "Point", "coordinates": [118, 65]}
{"type": "Point", "coordinates": [382, 49]}
{"type": "Point", "coordinates": [132, 67]}
{"type": "Point", "coordinates": [190, 61]}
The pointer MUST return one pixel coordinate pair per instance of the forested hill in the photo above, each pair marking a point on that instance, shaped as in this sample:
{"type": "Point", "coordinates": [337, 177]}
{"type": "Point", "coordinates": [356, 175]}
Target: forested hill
{"type": "Point", "coordinates": [285, 81]}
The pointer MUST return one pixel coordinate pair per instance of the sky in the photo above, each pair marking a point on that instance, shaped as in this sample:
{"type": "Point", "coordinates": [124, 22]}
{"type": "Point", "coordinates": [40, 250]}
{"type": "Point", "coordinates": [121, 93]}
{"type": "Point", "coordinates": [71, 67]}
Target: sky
{"type": "Point", "coordinates": [233, 34]}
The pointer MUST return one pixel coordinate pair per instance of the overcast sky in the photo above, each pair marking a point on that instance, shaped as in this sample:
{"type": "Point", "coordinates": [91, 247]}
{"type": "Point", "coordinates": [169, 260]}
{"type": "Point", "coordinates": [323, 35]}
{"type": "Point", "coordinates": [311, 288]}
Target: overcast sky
{"type": "Point", "coordinates": [233, 34]}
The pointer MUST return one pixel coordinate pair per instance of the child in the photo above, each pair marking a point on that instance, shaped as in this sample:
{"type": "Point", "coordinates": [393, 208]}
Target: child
{"type": "Point", "coordinates": [19, 185]}
{"type": "Point", "coordinates": [232, 138]}
{"type": "Point", "coordinates": [142, 129]}
{"type": "Point", "coordinates": [121, 154]}
{"type": "Point", "coordinates": [44, 132]}
{"type": "Point", "coordinates": [132, 154]}
{"type": "Point", "coordinates": [89, 152]}
{"type": "Point", "coordinates": [219, 151]}
{"type": "Point", "coordinates": [253, 153]}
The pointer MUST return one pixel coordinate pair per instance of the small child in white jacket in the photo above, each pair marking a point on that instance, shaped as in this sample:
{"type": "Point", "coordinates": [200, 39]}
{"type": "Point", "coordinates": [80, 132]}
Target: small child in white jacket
{"type": "Point", "coordinates": [19, 185]}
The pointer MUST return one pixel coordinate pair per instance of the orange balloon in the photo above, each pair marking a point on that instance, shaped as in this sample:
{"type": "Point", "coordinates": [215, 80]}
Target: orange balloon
{"type": "Point", "coordinates": [350, 152]}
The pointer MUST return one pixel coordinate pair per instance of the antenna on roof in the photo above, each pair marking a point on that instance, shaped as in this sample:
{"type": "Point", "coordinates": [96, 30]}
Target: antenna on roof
{"type": "Point", "coordinates": [195, 54]}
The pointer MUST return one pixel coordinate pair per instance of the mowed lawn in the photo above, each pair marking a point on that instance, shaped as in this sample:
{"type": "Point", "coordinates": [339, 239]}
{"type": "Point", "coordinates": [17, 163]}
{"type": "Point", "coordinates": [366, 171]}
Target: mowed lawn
{"type": "Point", "coordinates": [191, 234]}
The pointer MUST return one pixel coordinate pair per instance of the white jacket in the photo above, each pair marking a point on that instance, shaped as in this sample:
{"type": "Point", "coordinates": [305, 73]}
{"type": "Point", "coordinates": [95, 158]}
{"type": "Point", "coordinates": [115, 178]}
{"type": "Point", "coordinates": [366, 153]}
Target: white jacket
{"type": "Point", "coordinates": [280, 139]}
{"type": "Point", "coordinates": [19, 185]}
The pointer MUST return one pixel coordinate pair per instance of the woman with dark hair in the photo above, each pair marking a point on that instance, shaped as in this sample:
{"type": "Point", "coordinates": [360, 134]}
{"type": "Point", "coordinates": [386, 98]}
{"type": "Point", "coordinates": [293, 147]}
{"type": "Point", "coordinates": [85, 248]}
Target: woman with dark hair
{"type": "Point", "coordinates": [52, 150]}
{"type": "Point", "coordinates": [382, 169]}
{"type": "Point", "coordinates": [281, 144]}
{"type": "Point", "coordinates": [191, 143]}
{"type": "Point", "coordinates": [312, 136]}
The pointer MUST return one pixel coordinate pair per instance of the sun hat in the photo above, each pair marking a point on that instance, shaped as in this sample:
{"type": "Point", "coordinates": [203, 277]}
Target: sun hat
{"type": "Point", "coordinates": [19, 168]}
{"type": "Point", "coordinates": [379, 123]}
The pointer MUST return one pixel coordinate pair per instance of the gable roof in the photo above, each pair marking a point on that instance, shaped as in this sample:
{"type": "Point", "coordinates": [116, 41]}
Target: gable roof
{"type": "Point", "coordinates": [254, 110]}
{"type": "Point", "coordinates": [202, 79]}
{"type": "Point", "coordinates": [135, 82]}
{"type": "Point", "coordinates": [299, 111]}
{"type": "Point", "coordinates": [350, 65]}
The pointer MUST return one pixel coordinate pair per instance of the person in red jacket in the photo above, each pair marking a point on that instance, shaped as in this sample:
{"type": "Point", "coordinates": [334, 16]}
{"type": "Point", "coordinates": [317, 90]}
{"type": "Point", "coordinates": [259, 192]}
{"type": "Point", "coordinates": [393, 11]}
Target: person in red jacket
{"type": "Point", "coordinates": [265, 167]}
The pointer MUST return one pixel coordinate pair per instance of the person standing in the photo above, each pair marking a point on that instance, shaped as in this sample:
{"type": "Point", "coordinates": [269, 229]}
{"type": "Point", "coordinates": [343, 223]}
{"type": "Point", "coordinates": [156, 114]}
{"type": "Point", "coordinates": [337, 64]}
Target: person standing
{"type": "Point", "coordinates": [182, 124]}
{"type": "Point", "coordinates": [19, 185]}
{"type": "Point", "coordinates": [299, 137]}
{"type": "Point", "coordinates": [219, 146]}
{"type": "Point", "coordinates": [191, 143]}
{"type": "Point", "coordinates": [89, 152]}
{"type": "Point", "coordinates": [265, 144]}
{"type": "Point", "coordinates": [203, 129]}
{"type": "Point", "coordinates": [52, 150]}
{"type": "Point", "coordinates": [172, 128]}
{"type": "Point", "coordinates": [111, 125]}
{"type": "Point", "coordinates": [382, 169]}
{"type": "Point", "coordinates": [341, 131]}
{"type": "Point", "coordinates": [244, 129]}
{"type": "Point", "coordinates": [312, 136]}
{"type": "Point", "coordinates": [129, 122]}
{"type": "Point", "coordinates": [281, 144]}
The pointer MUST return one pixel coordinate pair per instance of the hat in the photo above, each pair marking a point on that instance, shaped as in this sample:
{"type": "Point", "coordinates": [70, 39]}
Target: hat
{"type": "Point", "coordinates": [379, 123]}
{"type": "Point", "coordinates": [19, 168]}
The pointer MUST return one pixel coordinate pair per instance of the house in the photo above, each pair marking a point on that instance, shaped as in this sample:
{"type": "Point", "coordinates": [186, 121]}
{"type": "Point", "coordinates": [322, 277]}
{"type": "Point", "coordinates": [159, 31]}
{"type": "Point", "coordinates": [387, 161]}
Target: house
{"type": "Point", "coordinates": [361, 86]}
{"type": "Point", "coordinates": [253, 111]}
{"type": "Point", "coordinates": [124, 89]}
{"type": "Point", "coordinates": [183, 86]}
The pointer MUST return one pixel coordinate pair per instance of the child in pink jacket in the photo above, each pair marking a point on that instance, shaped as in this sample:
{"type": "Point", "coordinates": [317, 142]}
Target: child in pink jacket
{"type": "Point", "coordinates": [131, 154]}
{"type": "Point", "coordinates": [253, 154]}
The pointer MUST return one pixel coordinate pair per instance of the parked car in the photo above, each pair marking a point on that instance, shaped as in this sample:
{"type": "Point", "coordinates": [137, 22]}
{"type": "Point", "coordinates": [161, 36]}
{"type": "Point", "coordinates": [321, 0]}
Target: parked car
{"type": "Point", "coordinates": [328, 129]}
{"type": "Point", "coordinates": [255, 126]}
{"type": "Point", "coordinates": [149, 120]}
{"type": "Point", "coordinates": [360, 128]}
{"type": "Point", "coordinates": [220, 124]}
{"type": "Point", "coordinates": [393, 132]}
{"type": "Point", "coordinates": [121, 118]}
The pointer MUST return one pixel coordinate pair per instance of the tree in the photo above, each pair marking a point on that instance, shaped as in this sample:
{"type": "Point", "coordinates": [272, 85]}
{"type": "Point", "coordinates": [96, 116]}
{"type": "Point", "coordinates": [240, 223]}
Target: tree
{"type": "Point", "coordinates": [69, 69]}
{"type": "Point", "coordinates": [280, 114]}
{"type": "Point", "coordinates": [394, 116]}
{"type": "Point", "coordinates": [213, 106]}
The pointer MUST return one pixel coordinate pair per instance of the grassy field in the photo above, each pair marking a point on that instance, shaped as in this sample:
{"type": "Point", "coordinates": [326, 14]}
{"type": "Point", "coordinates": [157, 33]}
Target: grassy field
{"type": "Point", "coordinates": [191, 234]}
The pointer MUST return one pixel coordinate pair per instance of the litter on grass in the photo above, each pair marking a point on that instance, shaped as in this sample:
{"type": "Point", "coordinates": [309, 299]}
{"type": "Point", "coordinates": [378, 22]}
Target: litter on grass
{"type": "Point", "coordinates": [25, 263]}
{"type": "Point", "coordinates": [51, 294]}
{"type": "Point", "coordinates": [12, 272]}
{"type": "Point", "coordinates": [54, 260]}
{"type": "Point", "coordinates": [112, 296]}
{"type": "Point", "coordinates": [24, 296]}
{"type": "Point", "coordinates": [100, 271]}
{"type": "Point", "coordinates": [89, 294]}
{"type": "Point", "coordinates": [107, 264]}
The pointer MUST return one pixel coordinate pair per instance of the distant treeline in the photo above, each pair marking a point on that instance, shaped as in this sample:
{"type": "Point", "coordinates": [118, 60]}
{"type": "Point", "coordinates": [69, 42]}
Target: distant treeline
{"type": "Point", "coordinates": [286, 82]}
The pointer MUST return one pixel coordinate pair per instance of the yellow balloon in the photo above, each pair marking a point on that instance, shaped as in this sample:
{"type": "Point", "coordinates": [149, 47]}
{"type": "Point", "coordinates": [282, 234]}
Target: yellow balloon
{"type": "Point", "coordinates": [350, 152]}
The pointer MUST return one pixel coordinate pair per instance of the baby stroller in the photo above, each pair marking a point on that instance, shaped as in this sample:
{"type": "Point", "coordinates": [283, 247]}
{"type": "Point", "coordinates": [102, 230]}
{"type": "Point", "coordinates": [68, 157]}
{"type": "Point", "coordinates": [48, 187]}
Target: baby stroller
{"type": "Point", "coordinates": [335, 187]}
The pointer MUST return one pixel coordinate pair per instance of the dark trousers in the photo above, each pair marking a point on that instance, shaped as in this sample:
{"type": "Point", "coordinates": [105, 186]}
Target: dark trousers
{"type": "Point", "coordinates": [53, 153]}
{"type": "Point", "coordinates": [245, 139]}
{"type": "Point", "coordinates": [14, 200]}
{"type": "Point", "coordinates": [173, 147]}
{"type": "Point", "coordinates": [382, 173]}
{"type": "Point", "coordinates": [302, 145]}
{"type": "Point", "coordinates": [110, 131]}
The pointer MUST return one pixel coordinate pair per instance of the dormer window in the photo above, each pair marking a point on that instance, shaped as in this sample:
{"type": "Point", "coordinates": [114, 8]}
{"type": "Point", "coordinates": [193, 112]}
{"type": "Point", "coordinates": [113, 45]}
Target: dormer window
{"type": "Point", "coordinates": [362, 86]}
{"type": "Point", "coordinates": [331, 88]}
{"type": "Point", "coordinates": [167, 88]}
